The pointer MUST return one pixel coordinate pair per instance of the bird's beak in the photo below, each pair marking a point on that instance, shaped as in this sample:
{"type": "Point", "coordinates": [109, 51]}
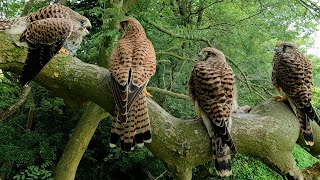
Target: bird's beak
{"type": "Point", "coordinates": [88, 26]}
{"type": "Point", "coordinates": [277, 49]}
{"type": "Point", "coordinates": [200, 56]}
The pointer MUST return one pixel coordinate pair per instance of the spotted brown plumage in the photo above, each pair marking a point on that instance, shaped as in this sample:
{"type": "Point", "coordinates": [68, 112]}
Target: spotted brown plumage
{"type": "Point", "coordinates": [211, 88]}
{"type": "Point", "coordinates": [132, 63]}
{"type": "Point", "coordinates": [292, 77]}
{"type": "Point", "coordinates": [46, 31]}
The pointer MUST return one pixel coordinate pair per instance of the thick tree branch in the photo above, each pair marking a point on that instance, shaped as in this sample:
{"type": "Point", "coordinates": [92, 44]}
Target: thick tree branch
{"type": "Point", "coordinates": [269, 132]}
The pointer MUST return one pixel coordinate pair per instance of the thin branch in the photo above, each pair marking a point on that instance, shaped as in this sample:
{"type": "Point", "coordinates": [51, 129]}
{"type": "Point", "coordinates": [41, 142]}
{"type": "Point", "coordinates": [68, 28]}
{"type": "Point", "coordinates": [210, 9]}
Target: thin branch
{"type": "Point", "coordinates": [15, 107]}
{"type": "Point", "coordinates": [201, 9]}
{"type": "Point", "coordinates": [175, 56]}
{"type": "Point", "coordinates": [169, 93]}
{"type": "Point", "coordinates": [225, 23]}
{"type": "Point", "coordinates": [161, 29]}
{"type": "Point", "coordinates": [31, 111]}
{"type": "Point", "coordinates": [241, 72]}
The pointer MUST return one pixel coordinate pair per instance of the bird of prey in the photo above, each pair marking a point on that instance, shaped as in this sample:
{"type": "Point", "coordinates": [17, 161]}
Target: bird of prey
{"type": "Point", "coordinates": [131, 64]}
{"type": "Point", "coordinates": [292, 77]}
{"type": "Point", "coordinates": [211, 87]}
{"type": "Point", "coordinates": [46, 31]}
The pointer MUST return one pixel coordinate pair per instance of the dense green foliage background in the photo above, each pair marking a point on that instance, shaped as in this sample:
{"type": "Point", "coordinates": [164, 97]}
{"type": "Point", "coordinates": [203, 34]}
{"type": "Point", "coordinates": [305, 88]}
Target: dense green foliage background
{"type": "Point", "coordinates": [246, 31]}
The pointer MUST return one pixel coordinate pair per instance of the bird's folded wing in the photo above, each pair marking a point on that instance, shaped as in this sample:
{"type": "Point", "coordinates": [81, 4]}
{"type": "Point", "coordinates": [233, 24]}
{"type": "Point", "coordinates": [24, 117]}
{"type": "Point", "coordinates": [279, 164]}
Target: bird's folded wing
{"type": "Point", "coordinates": [45, 38]}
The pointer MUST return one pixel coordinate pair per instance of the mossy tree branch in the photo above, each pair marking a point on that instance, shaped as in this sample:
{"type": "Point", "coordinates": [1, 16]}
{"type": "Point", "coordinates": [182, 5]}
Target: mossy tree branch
{"type": "Point", "coordinates": [269, 132]}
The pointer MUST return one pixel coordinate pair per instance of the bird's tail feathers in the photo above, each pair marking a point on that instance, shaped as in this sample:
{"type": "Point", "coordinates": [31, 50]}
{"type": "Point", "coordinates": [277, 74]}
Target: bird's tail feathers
{"type": "Point", "coordinates": [136, 131]}
{"type": "Point", "coordinates": [222, 157]}
{"type": "Point", "coordinates": [311, 113]}
{"type": "Point", "coordinates": [305, 126]}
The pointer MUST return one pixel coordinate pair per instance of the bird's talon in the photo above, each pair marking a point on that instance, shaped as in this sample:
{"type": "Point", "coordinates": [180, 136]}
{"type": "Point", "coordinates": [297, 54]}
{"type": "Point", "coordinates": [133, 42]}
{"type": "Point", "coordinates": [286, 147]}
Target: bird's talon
{"type": "Point", "coordinates": [147, 93]}
{"type": "Point", "coordinates": [64, 51]}
{"type": "Point", "coordinates": [279, 98]}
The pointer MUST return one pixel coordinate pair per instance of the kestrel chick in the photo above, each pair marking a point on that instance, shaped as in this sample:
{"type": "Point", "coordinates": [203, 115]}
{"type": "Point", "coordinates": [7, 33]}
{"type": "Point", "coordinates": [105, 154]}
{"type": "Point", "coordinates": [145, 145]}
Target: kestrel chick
{"type": "Point", "coordinates": [46, 31]}
{"type": "Point", "coordinates": [292, 77]}
{"type": "Point", "coordinates": [132, 63]}
{"type": "Point", "coordinates": [211, 87]}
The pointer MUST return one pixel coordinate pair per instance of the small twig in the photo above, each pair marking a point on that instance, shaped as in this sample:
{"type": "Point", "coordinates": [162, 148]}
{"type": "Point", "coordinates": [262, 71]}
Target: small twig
{"type": "Point", "coordinates": [178, 35]}
{"type": "Point", "coordinates": [175, 56]}
{"type": "Point", "coordinates": [169, 93]}
{"type": "Point", "coordinates": [161, 175]}
{"type": "Point", "coordinates": [241, 72]}
{"type": "Point", "coordinates": [31, 111]}
{"type": "Point", "coordinates": [15, 107]}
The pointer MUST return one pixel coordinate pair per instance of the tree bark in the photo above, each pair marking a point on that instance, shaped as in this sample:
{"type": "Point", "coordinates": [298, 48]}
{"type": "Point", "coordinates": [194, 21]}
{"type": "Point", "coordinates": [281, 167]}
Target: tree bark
{"type": "Point", "coordinates": [72, 154]}
{"type": "Point", "coordinates": [269, 132]}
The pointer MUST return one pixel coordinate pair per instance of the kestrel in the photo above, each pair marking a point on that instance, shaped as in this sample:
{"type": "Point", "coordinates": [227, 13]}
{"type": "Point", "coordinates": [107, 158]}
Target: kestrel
{"type": "Point", "coordinates": [292, 77]}
{"type": "Point", "coordinates": [46, 31]}
{"type": "Point", "coordinates": [211, 87]}
{"type": "Point", "coordinates": [132, 63]}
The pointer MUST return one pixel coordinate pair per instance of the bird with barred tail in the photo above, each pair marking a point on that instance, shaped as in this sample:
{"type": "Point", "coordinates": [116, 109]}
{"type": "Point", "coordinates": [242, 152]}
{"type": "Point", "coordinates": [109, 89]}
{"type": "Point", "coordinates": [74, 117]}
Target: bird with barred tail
{"type": "Point", "coordinates": [46, 31]}
{"type": "Point", "coordinates": [131, 64]}
{"type": "Point", "coordinates": [292, 77]}
{"type": "Point", "coordinates": [211, 87]}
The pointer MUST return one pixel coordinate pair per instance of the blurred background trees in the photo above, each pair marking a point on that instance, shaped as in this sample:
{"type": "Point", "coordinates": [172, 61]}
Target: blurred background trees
{"type": "Point", "coordinates": [32, 140]}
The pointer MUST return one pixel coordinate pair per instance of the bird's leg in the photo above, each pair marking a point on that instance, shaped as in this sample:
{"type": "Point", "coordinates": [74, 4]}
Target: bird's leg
{"type": "Point", "coordinates": [279, 98]}
{"type": "Point", "coordinates": [146, 92]}
{"type": "Point", "coordinates": [64, 51]}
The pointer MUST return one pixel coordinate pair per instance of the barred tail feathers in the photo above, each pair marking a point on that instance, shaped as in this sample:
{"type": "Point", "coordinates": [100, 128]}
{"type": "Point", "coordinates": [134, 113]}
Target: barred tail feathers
{"type": "Point", "coordinates": [137, 130]}
{"type": "Point", "coordinates": [222, 157]}
{"type": "Point", "coordinates": [305, 126]}
{"type": "Point", "coordinates": [311, 113]}
{"type": "Point", "coordinates": [303, 115]}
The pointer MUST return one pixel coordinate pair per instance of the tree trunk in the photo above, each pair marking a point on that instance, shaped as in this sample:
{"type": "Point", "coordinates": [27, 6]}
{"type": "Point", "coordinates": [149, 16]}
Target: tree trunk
{"type": "Point", "coordinates": [72, 154]}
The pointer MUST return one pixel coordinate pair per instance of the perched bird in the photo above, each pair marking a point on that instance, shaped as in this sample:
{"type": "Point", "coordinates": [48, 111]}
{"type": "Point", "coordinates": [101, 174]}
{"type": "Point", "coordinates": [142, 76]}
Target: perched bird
{"type": "Point", "coordinates": [132, 63]}
{"type": "Point", "coordinates": [292, 77]}
{"type": "Point", "coordinates": [46, 31]}
{"type": "Point", "coordinates": [211, 87]}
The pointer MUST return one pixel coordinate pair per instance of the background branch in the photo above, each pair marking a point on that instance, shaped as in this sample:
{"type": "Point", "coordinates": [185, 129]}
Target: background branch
{"type": "Point", "coordinates": [161, 29]}
{"type": "Point", "coordinates": [16, 106]}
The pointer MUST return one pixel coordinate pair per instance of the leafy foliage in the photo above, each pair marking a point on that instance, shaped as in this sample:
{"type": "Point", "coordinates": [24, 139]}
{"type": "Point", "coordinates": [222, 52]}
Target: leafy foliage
{"type": "Point", "coordinates": [35, 172]}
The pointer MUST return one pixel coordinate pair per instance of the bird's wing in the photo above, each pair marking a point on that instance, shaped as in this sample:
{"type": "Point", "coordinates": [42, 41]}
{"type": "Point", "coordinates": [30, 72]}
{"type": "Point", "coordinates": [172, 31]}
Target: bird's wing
{"type": "Point", "coordinates": [213, 91]}
{"type": "Point", "coordinates": [45, 38]}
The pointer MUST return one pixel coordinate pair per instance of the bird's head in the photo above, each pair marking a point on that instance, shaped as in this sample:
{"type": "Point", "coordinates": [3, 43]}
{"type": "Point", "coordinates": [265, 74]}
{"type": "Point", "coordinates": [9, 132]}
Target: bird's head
{"type": "Point", "coordinates": [286, 47]}
{"type": "Point", "coordinates": [81, 24]}
{"type": "Point", "coordinates": [131, 25]}
{"type": "Point", "coordinates": [211, 53]}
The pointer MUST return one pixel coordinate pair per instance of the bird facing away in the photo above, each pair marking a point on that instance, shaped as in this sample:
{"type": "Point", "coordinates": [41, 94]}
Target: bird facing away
{"type": "Point", "coordinates": [132, 63]}
{"type": "Point", "coordinates": [292, 77]}
{"type": "Point", "coordinates": [211, 87]}
{"type": "Point", "coordinates": [46, 31]}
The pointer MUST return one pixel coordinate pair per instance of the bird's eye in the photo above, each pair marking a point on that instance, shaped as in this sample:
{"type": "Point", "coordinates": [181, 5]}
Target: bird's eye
{"type": "Point", "coordinates": [122, 24]}
{"type": "Point", "coordinates": [82, 21]}
{"type": "Point", "coordinates": [211, 54]}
